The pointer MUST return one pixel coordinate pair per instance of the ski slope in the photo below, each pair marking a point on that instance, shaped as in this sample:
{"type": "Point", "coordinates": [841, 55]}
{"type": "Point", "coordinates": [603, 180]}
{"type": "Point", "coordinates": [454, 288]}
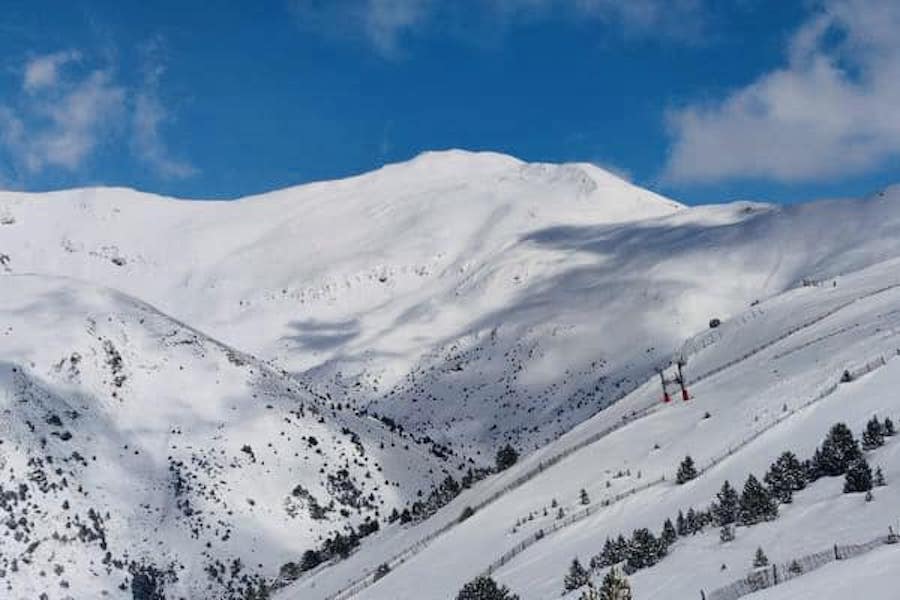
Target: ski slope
{"type": "Point", "coordinates": [747, 397]}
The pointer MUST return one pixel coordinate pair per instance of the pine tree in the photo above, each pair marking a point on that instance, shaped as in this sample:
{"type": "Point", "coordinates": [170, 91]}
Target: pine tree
{"type": "Point", "coordinates": [681, 525]}
{"type": "Point", "coordinates": [615, 586]}
{"type": "Point", "coordinates": [585, 499]}
{"type": "Point", "coordinates": [839, 450]}
{"type": "Point", "coordinates": [576, 577]}
{"type": "Point", "coordinates": [756, 503]}
{"type": "Point", "coordinates": [786, 476]}
{"type": "Point", "coordinates": [693, 523]}
{"type": "Point", "coordinates": [760, 560]}
{"type": "Point", "coordinates": [878, 480]}
{"type": "Point", "coordinates": [506, 457]}
{"type": "Point", "coordinates": [873, 436]}
{"type": "Point", "coordinates": [622, 546]}
{"type": "Point", "coordinates": [485, 588]}
{"type": "Point", "coordinates": [643, 551]}
{"type": "Point", "coordinates": [668, 535]}
{"type": "Point", "coordinates": [889, 427]}
{"type": "Point", "coordinates": [725, 509]}
{"type": "Point", "coordinates": [686, 470]}
{"type": "Point", "coordinates": [726, 533]}
{"type": "Point", "coordinates": [858, 477]}
{"type": "Point", "coordinates": [590, 593]}
{"type": "Point", "coordinates": [606, 557]}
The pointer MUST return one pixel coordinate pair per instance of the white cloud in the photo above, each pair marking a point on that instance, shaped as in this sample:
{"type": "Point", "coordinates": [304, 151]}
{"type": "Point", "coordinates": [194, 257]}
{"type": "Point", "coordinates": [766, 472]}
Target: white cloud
{"type": "Point", "coordinates": [62, 117]}
{"type": "Point", "coordinates": [830, 111]}
{"type": "Point", "coordinates": [63, 125]}
{"type": "Point", "coordinates": [147, 143]}
{"type": "Point", "coordinates": [43, 71]}
{"type": "Point", "coordinates": [149, 116]}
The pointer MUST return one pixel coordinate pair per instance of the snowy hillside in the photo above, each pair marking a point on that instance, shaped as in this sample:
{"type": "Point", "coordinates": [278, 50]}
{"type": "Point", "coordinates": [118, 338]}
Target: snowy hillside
{"type": "Point", "coordinates": [196, 394]}
{"type": "Point", "coordinates": [769, 382]}
{"type": "Point", "coordinates": [132, 443]}
{"type": "Point", "coordinates": [471, 297]}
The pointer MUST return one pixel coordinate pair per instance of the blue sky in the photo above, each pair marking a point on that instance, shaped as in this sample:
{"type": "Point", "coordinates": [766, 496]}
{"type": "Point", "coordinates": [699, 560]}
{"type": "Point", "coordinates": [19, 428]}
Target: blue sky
{"type": "Point", "coordinates": [704, 102]}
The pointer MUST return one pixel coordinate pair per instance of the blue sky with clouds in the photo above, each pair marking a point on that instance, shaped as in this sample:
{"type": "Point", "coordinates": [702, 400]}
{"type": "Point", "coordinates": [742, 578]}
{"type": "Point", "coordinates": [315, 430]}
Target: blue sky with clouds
{"type": "Point", "coordinates": [702, 100]}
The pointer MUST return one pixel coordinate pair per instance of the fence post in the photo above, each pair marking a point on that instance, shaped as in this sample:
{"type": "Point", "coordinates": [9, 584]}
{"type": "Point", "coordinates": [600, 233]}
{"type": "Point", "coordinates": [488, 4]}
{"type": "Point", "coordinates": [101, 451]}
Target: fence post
{"type": "Point", "coordinates": [837, 555]}
{"type": "Point", "coordinates": [775, 574]}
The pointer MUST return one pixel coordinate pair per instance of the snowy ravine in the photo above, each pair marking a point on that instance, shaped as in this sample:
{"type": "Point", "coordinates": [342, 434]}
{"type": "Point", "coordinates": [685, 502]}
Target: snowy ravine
{"type": "Point", "coordinates": [195, 393]}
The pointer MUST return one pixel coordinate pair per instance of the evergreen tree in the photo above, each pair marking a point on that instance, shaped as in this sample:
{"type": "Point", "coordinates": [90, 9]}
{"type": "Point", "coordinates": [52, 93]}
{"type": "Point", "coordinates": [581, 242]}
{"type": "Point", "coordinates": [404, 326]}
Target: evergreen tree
{"type": "Point", "coordinates": [786, 476]}
{"type": "Point", "coordinates": [585, 499]}
{"type": "Point", "coordinates": [756, 503]}
{"type": "Point", "coordinates": [889, 427]}
{"type": "Point", "coordinates": [878, 480]}
{"type": "Point", "coordinates": [622, 546]}
{"type": "Point", "coordinates": [839, 450]}
{"type": "Point", "coordinates": [615, 586]}
{"type": "Point", "coordinates": [668, 535]}
{"type": "Point", "coordinates": [590, 593]}
{"type": "Point", "coordinates": [607, 557]}
{"type": "Point", "coordinates": [644, 550]}
{"type": "Point", "coordinates": [686, 470]}
{"type": "Point", "coordinates": [873, 436]}
{"type": "Point", "coordinates": [725, 509]}
{"type": "Point", "coordinates": [577, 576]}
{"type": "Point", "coordinates": [506, 457]}
{"type": "Point", "coordinates": [681, 524]}
{"type": "Point", "coordinates": [858, 477]}
{"type": "Point", "coordinates": [485, 588]}
{"type": "Point", "coordinates": [760, 560]}
{"type": "Point", "coordinates": [693, 523]}
{"type": "Point", "coordinates": [726, 533]}
{"type": "Point", "coordinates": [811, 466]}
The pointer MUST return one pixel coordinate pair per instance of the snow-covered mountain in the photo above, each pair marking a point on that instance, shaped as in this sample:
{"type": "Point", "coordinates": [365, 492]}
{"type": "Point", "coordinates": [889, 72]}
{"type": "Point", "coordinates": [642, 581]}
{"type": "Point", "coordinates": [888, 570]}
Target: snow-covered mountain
{"type": "Point", "coordinates": [765, 382]}
{"type": "Point", "coordinates": [134, 442]}
{"type": "Point", "coordinates": [254, 375]}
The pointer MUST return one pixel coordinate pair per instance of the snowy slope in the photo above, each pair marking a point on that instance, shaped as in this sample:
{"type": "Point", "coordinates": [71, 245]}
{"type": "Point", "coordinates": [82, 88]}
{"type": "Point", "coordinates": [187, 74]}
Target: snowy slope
{"type": "Point", "coordinates": [130, 440]}
{"type": "Point", "coordinates": [790, 351]}
{"type": "Point", "coordinates": [471, 298]}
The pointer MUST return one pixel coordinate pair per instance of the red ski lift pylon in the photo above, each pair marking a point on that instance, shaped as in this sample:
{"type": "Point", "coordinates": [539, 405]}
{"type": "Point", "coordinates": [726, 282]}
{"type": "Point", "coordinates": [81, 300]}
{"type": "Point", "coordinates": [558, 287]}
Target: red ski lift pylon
{"type": "Point", "coordinates": [662, 380]}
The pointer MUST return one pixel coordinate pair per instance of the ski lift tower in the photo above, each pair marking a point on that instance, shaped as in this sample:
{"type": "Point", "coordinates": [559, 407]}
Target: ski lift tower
{"type": "Point", "coordinates": [666, 397]}
{"type": "Point", "coordinates": [685, 396]}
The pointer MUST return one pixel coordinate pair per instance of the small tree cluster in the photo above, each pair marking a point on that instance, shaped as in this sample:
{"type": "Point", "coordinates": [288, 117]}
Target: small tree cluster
{"type": "Point", "coordinates": [506, 457]}
{"type": "Point", "coordinates": [786, 476]}
{"type": "Point", "coordinates": [338, 545]}
{"type": "Point", "coordinates": [577, 576]}
{"type": "Point", "coordinates": [485, 588]}
{"type": "Point", "coordinates": [839, 450]}
{"type": "Point", "coordinates": [686, 471]}
{"type": "Point", "coordinates": [615, 586]}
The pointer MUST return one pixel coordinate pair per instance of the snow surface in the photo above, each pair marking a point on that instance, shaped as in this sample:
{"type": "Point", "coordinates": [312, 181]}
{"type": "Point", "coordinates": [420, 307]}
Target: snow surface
{"type": "Point", "coordinates": [470, 297]}
{"type": "Point", "coordinates": [742, 399]}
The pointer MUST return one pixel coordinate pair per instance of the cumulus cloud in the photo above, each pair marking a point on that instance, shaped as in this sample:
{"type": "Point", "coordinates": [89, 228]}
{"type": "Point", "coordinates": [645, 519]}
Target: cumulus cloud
{"type": "Point", "coordinates": [384, 23]}
{"type": "Point", "coordinates": [64, 115]}
{"type": "Point", "coordinates": [830, 111]}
